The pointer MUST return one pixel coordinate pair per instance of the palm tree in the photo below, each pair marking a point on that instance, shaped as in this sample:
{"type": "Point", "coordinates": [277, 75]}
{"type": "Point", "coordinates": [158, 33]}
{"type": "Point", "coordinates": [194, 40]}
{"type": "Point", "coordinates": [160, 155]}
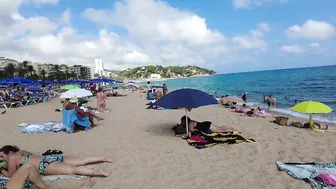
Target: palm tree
{"type": "Point", "coordinates": [10, 70]}
{"type": "Point", "coordinates": [43, 74]}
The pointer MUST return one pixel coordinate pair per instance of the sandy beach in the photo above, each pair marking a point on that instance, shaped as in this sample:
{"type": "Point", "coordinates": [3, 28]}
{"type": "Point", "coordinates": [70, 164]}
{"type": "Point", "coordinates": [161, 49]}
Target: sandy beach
{"type": "Point", "coordinates": [148, 155]}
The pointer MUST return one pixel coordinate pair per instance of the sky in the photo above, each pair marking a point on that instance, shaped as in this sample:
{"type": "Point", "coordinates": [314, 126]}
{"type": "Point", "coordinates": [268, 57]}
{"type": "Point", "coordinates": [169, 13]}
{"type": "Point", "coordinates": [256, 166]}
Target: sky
{"type": "Point", "coordinates": [224, 35]}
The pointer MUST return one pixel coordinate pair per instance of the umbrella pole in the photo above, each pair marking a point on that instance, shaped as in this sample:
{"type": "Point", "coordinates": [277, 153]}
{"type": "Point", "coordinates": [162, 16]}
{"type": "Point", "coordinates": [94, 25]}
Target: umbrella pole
{"type": "Point", "coordinates": [187, 127]}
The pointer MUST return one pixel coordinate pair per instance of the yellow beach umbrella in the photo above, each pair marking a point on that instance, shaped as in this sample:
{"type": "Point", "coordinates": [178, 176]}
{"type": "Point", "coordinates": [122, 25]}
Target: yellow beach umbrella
{"type": "Point", "coordinates": [311, 107]}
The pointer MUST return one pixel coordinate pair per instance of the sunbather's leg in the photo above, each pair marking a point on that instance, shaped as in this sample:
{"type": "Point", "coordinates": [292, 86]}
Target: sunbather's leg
{"type": "Point", "coordinates": [85, 161]}
{"type": "Point", "coordinates": [60, 168]}
{"type": "Point", "coordinates": [222, 129]}
{"type": "Point", "coordinates": [90, 112]}
{"type": "Point", "coordinates": [27, 171]}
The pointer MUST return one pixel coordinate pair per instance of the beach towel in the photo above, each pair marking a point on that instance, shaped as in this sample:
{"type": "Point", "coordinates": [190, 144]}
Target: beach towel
{"type": "Point", "coordinates": [310, 172]}
{"type": "Point", "coordinates": [70, 117]}
{"type": "Point", "coordinates": [50, 126]}
{"type": "Point", "coordinates": [202, 140]}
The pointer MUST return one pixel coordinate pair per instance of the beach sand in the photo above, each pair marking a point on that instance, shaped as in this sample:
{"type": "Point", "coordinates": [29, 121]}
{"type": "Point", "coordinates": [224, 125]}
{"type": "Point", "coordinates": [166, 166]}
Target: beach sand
{"type": "Point", "coordinates": [148, 155]}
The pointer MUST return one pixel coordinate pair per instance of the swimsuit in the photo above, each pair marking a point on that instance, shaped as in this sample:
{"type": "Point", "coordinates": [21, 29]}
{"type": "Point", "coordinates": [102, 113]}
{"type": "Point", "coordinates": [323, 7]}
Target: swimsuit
{"type": "Point", "coordinates": [203, 126]}
{"type": "Point", "coordinates": [49, 159]}
{"type": "Point", "coordinates": [24, 161]}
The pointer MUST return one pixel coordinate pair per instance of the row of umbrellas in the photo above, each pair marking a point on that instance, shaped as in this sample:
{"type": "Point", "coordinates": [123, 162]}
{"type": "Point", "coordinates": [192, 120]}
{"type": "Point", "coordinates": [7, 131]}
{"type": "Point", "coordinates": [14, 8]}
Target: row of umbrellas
{"type": "Point", "coordinates": [192, 98]}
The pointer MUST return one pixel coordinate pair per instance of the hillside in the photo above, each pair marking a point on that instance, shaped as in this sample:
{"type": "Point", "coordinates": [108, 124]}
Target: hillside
{"type": "Point", "coordinates": [165, 72]}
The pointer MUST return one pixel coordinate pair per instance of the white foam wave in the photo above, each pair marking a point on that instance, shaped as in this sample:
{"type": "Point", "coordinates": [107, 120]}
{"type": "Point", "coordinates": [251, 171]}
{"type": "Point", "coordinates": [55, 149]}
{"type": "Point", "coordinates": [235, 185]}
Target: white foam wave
{"type": "Point", "coordinates": [317, 117]}
{"type": "Point", "coordinates": [328, 118]}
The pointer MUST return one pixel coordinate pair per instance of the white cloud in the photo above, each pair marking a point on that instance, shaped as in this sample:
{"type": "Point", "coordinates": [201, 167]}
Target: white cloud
{"type": "Point", "coordinates": [249, 42]}
{"type": "Point", "coordinates": [66, 17]}
{"type": "Point", "coordinates": [144, 20]}
{"type": "Point", "coordinates": [255, 39]}
{"type": "Point", "coordinates": [315, 45]}
{"type": "Point", "coordinates": [312, 30]}
{"type": "Point", "coordinates": [40, 2]}
{"type": "Point", "coordinates": [243, 4]}
{"type": "Point", "coordinates": [264, 27]}
{"type": "Point", "coordinates": [292, 49]}
{"type": "Point", "coordinates": [257, 33]}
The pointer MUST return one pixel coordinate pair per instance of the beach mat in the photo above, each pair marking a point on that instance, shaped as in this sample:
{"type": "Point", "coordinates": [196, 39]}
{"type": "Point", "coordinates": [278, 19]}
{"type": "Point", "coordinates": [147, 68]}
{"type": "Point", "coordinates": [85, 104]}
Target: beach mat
{"type": "Point", "coordinates": [50, 126]}
{"type": "Point", "coordinates": [202, 140]}
{"type": "Point", "coordinates": [58, 177]}
{"type": "Point", "coordinates": [308, 172]}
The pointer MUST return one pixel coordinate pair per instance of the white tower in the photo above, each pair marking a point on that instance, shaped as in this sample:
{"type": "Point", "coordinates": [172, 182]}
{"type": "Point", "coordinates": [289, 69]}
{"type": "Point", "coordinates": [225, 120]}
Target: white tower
{"type": "Point", "coordinates": [99, 67]}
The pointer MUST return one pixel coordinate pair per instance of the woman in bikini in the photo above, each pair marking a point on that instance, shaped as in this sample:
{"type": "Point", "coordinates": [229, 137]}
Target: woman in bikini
{"type": "Point", "coordinates": [205, 126]}
{"type": "Point", "coordinates": [28, 176]}
{"type": "Point", "coordinates": [52, 164]}
{"type": "Point", "coordinates": [101, 100]}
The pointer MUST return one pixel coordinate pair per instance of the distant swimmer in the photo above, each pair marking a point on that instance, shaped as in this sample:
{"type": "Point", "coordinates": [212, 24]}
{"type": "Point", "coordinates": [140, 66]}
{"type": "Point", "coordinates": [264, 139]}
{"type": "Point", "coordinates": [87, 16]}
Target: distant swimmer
{"type": "Point", "coordinates": [296, 101]}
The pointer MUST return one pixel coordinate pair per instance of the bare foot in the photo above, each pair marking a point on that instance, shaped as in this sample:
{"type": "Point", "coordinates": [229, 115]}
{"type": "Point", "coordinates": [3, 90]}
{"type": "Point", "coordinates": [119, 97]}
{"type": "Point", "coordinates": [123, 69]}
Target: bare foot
{"type": "Point", "coordinates": [100, 173]}
{"type": "Point", "coordinates": [100, 118]}
{"type": "Point", "coordinates": [107, 159]}
{"type": "Point", "coordinates": [87, 185]}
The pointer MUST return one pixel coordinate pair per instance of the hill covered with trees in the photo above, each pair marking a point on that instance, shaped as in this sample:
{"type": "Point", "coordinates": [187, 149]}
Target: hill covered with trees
{"type": "Point", "coordinates": [144, 72]}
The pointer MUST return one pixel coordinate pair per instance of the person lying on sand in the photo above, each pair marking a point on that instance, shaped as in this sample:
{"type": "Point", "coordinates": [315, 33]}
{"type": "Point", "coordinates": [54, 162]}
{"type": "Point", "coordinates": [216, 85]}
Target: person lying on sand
{"type": "Point", "coordinates": [28, 175]}
{"type": "Point", "coordinates": [52, 164]}
{"type": "Point", "coordinates": [242, 109]}
{"type": "Point", "coordinates": [72, 104]}
{"type": "Point", "coordinates": [205, 126]}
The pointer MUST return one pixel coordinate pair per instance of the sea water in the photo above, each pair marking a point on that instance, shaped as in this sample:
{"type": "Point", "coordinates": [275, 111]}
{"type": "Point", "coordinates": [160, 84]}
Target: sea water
{"type": "Point", "coordinates": [288, 85]}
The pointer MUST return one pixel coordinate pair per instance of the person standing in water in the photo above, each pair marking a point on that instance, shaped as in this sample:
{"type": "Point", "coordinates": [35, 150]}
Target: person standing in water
{"type": "Point", "coordinates": [244, 97]}
{"type": "Point", "coordinates": [164, 89]}
{"type": "Point", "coordinates": [273, 102]}
{"type": "Point", "coordinates": [268, 101]}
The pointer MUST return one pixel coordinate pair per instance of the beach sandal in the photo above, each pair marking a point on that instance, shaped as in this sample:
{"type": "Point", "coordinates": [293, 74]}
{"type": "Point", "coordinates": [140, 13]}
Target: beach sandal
{"type": "Point", "coordinates": [56, 152]}
{"type": "Point", "coordinates": [57, 110]}
{"type": "Point", "coordinates": [48, 152]}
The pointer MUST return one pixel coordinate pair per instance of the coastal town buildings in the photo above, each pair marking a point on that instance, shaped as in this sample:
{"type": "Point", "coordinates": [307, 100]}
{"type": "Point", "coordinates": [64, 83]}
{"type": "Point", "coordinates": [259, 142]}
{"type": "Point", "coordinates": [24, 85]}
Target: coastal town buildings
{"type": "Point", "coordinates": [82, 72]}
{"type": "Point", "coordinates": [5, 61]}
{"type": "Point", "coordinates": [100, 71]}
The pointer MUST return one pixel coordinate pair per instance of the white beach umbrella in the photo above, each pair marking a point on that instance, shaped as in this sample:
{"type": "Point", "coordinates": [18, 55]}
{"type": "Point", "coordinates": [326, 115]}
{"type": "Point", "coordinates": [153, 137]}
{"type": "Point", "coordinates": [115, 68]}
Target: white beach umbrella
{"type": "Point", "coordinates": [76, 93]}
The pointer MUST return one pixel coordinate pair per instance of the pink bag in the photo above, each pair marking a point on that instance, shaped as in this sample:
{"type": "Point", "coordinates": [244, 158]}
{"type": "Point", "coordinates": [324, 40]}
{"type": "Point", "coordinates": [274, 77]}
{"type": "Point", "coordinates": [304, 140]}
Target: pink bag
{"type": "Point", "coordinates": [327, 178]}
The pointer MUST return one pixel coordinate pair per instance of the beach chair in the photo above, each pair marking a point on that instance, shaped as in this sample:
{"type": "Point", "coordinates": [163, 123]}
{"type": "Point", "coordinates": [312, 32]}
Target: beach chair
{"type": "Point", "coordinates": [70, 119]}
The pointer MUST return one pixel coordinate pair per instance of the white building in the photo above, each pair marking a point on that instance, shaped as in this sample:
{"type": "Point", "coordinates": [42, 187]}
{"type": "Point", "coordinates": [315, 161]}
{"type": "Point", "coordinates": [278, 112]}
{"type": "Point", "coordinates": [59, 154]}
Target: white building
{"type": "Point", "coordinates": [5, 61]}
{"type": "Point", "coordinates": [154, 76]}
{"type": "Point", "coordinates": [101, 71]}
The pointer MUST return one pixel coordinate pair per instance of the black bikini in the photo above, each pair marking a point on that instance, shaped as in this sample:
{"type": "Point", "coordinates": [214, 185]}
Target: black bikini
{"type": "Point", "coordinates": [203, 126]}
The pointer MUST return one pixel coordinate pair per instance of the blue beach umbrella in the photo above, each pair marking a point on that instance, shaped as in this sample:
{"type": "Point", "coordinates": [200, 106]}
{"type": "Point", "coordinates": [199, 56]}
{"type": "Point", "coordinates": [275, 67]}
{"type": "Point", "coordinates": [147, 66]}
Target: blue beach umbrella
{"type": "Point", "coordinates": [34, 89]}
{"type": "Point", "coordinates": [186, 98]}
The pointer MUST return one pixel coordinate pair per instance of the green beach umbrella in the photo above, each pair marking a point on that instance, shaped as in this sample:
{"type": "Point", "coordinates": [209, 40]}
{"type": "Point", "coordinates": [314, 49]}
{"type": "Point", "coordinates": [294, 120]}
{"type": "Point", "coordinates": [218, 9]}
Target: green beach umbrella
{"type": "Point", "coordinates": [311, 107]}
{"type": "Point", "coordinates": [69, 87]}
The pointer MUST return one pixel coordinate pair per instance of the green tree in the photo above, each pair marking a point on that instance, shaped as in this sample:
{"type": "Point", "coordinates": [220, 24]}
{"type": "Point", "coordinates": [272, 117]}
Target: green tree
{"type": "Point", "coordinates": [10, 70]}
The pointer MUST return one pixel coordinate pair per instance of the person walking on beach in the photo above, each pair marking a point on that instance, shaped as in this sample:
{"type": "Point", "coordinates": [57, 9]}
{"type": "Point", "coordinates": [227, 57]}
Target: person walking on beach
{"type": "Point", "coordinates": [101, 100]}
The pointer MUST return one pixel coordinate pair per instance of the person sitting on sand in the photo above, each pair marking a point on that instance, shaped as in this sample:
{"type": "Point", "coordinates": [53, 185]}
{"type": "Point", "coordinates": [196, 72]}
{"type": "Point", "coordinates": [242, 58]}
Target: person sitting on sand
{"type": "Point", "coordinates": [27, 176]}
{"type": "Point", "coordinates": [205, 126]}
{"type": "Point", "coordinates": [72, 104]}
{"type": "Point", "coordinates": [52, 164]}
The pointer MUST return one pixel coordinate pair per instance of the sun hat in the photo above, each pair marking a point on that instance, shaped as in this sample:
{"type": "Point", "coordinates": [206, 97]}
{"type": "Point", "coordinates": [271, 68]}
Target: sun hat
{"type": "Point", "coordinates": [73, 99]}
